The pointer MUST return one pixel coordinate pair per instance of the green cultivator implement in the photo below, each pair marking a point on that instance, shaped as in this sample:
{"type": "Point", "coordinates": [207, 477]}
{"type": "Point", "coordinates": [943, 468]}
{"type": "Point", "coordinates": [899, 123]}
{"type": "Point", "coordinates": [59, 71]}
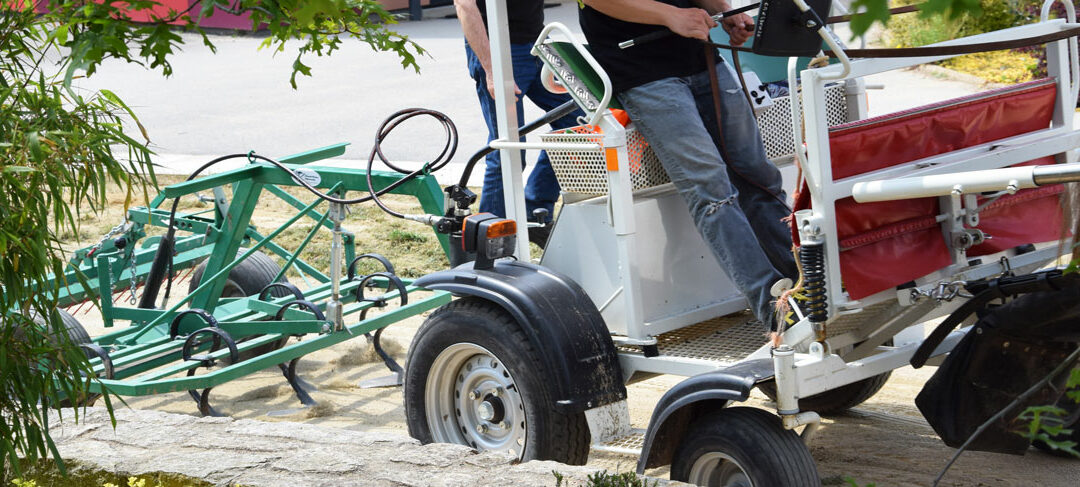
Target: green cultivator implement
{"type": "Point", "coordinates": [240, 311]}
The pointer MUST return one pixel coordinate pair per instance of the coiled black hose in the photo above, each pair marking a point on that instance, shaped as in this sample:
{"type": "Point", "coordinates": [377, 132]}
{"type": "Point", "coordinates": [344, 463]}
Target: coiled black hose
{"type": "Point", "coordinates": [163, 258]}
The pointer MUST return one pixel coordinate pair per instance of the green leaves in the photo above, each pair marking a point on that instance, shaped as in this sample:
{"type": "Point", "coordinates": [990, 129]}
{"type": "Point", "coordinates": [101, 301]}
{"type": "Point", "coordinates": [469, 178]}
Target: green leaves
{"type": "Point", "coordinates": [870, 11]}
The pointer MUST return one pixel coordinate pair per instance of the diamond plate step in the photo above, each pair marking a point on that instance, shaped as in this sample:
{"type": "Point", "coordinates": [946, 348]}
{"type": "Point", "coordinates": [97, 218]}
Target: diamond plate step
{"type": "Point", "coordinates": [628, 444]}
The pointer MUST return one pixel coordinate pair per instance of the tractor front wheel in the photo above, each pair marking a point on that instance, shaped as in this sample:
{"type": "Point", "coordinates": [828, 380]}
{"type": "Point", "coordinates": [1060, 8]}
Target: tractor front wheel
{"type": "Point", "coordinates": [473, 378]}
{"type": "Point", "coordinates": [743, 447]}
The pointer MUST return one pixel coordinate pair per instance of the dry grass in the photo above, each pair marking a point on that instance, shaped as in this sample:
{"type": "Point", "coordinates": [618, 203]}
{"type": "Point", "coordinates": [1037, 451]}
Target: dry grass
{"type": "Point", "coordinates": [412, 248]}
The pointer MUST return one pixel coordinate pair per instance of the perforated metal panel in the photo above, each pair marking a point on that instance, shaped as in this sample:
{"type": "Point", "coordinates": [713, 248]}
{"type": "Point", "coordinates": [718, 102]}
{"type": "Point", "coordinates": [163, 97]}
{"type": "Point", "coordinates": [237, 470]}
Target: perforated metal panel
{"type": "Point", "coordinates": [775, 123]}
{"type": "Point", "coordinates": [586, 171]}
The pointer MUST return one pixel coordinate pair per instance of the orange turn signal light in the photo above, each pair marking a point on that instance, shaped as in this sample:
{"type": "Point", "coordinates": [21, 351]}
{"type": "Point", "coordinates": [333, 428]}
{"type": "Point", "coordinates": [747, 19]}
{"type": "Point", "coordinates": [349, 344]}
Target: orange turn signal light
{"type": "Point", "coordinates": [504, 228]}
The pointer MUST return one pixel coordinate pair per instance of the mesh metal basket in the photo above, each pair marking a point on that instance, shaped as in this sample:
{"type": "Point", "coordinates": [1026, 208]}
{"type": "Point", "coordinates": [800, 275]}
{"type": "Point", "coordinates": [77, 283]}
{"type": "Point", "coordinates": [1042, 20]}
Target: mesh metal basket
{"type": "Point", "coordinates": [585, 171]}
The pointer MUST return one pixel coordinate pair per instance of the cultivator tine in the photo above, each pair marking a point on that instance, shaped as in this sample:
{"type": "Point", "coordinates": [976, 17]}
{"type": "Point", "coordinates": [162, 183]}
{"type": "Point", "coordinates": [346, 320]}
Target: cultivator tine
{"type": "Point", "coordinates": [203, 400]}
{"type": "Point", "coordinates": [392, 380]}
{"type": "Point", "coordinates": [299, 385]}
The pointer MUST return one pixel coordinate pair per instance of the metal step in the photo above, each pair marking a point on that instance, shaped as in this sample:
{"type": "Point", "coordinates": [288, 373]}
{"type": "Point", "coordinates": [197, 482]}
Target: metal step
{"type": "Point", "coordinates": [628, 444]}
{"type": "Point", "coordinates": [724, 340]}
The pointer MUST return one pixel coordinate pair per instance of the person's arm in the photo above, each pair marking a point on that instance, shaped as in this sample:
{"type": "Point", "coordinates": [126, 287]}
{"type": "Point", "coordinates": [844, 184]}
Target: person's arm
{"type": "Point", "coordinates": [687, 22]}
{"type": "Point", "coordinates": [739, 27]}
{"type": "Point", "coordinates": [472, 25]}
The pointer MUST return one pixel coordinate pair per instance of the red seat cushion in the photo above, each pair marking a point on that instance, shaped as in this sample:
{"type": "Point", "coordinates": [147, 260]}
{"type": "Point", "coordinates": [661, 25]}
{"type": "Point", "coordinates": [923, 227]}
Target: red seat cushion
{"type": "Point", "coordinates": [888, 243]}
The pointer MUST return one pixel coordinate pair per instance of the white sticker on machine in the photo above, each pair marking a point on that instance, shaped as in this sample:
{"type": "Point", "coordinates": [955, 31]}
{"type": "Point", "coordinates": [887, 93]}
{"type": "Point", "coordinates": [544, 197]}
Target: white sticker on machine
{"type": "Point", "coordinates": [308, 176]}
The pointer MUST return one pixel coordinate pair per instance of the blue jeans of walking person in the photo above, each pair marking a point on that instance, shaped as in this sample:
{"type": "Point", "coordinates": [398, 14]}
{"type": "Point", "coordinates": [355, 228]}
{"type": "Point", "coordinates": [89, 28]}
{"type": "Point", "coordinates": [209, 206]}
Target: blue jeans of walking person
{"type": "Point", "coordinates": [737, 201]}
{"type": "Point", "coordinates": [541, 190]}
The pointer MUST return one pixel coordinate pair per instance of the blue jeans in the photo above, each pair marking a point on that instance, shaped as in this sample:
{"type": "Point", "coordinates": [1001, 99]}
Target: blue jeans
{"type": "Point", "coordinates": [734, 193]}
{"type": "Point", "coordinates": [541, 190]}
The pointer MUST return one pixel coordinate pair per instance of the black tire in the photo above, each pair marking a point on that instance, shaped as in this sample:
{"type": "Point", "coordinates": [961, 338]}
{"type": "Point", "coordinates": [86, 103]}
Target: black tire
{"type": "Point", "coordinates": [248, 278]}
{"type": "Point", "coordinates": [742, 446]}
{"type": "Point", "coordinates": [78, 336]}
{"type": "Point", "coordinates": [74, 329]}
{"type": "Point", "coordinates": [837, 400]}
{"type": "Point", "coordinates": [475, 331]}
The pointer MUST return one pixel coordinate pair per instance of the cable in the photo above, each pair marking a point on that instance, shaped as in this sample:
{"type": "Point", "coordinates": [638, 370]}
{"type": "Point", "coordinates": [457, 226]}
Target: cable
{"type": "Point", "coordinates": [555, 114]}
{"type": "Point", "coordinates": [163, 259]}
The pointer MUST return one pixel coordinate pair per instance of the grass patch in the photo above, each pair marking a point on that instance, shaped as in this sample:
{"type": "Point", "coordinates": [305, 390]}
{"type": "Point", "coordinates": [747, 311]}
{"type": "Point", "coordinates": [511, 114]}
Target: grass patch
{"type": "Point", "coordinates": [412, 248]}
{"type": "Point", "coordinates": [46, 474]}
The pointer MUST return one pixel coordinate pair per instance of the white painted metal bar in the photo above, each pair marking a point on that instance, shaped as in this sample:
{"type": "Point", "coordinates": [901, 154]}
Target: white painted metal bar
{"type": "Point", "coordinates": [865, 67]}
{"type": "Point", "coordinates": [1009, 179]}
{"type": "Point", "coordinates": [502, 68]}
{"type": "Point", "coordinates": [506, 144]}
{"type": "Point", "coordinates": [997, 154]}
{"type": "Point", "coordinates": [605, 98]}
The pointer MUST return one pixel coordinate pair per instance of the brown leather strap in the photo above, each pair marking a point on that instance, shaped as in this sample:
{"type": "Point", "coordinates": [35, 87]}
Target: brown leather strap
{"type": "Point", "coordinates": [942, 50]}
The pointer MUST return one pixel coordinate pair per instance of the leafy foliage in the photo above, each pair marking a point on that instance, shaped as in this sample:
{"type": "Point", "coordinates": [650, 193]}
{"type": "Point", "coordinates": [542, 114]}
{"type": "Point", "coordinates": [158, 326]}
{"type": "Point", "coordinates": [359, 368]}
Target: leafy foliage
{"type": "Point", "coordinates": [870, 12]}
{"type": "Point", "coordinates": [605, 479]}
{"type": "Point", "coordinates": [1046, 423]}
{"type": "Point", "coordinates": [61, 147]}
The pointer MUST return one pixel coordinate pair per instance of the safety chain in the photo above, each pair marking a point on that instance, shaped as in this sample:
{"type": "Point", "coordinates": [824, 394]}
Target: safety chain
{"type": "Point", "coordinates": [131, 286]}
{"type": "Point", "coordinates": [117, 230]}
{"type": "Point", "coordinates": [944, 291]}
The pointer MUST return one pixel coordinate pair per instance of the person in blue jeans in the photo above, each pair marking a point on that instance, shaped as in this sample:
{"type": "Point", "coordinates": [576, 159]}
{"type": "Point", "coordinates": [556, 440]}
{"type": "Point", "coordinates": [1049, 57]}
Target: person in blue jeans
{"type": "Point", "coordinates": [526, 18]}
{"type": "Point", "coordinates": [732, 190]}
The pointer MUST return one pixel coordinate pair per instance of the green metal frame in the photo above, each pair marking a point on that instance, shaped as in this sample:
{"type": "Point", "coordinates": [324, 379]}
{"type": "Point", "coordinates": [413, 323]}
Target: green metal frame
{"type": "Point", "coordinates": [146, 360]}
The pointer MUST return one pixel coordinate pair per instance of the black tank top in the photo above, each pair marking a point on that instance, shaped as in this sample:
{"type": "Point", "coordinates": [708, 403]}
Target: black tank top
{"type": "Point", "coordinates": [526, 19]}
{"type": "Point", "coordinates": [669, 56]}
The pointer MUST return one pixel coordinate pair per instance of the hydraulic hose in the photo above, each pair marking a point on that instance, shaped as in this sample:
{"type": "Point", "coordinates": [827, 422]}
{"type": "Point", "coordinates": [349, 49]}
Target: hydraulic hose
{"type": "Point", "coordinates": [161, 269]}
{"type": "Point", "coordinates": [555, 114]}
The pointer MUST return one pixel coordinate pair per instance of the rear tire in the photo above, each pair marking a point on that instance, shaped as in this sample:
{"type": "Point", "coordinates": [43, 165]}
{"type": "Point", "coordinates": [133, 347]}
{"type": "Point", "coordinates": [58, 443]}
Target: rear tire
{"type": "Point", "coordinates": [743, 447]}
{"type": "Point", "coordinates": [248, 278]}
{"type": "Point", "coordinates": [78, 336]}
{"type": "Point", "coordinates": [838, 400]}
{"type": "Point", "coordinates": [473, 378]}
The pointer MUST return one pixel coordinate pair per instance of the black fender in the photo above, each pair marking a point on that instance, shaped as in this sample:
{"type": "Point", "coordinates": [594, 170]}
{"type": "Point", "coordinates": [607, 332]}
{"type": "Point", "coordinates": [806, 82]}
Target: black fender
{"type": "Point", "coordinates": [560, 321]}
{"type": "Point", "coordinates": [690, 399]}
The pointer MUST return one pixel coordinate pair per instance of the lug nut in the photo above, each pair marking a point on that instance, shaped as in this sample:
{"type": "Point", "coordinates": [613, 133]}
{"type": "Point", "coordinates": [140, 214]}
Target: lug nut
{"type": "Point", "coordinates": [496, 392]}
{"type": "Point", "coordinates": [504, 425]}
{"type": "Point", "coordinates": [481, 428]}
{"type": "Point", "coordinates": [474, 395]}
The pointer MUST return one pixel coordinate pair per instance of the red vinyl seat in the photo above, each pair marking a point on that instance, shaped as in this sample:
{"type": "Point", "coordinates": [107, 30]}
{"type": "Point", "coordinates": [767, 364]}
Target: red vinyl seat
{"type": "Point", "coordinates": [888, 243]}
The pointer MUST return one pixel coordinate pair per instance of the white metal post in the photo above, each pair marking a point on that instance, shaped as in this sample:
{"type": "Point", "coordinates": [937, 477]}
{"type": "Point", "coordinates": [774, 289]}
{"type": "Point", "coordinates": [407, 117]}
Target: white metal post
{"type": "Point", "coordinates": [819, 172]}
{"type": "Point", "coordinates": [502, 68]}
{"type": "Point", "coordinates": [621, 201]}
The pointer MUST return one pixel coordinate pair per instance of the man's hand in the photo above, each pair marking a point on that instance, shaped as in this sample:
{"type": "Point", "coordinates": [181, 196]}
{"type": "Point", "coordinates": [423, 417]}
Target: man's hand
{"type": "Point", "coordinates": [691, 22]}
{"type": "Point", "coordinates": [739, 28]}
{"type": "Point", "coordinates": [491, 86]}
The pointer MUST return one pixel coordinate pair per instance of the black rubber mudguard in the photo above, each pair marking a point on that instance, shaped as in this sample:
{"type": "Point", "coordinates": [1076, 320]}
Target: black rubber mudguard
{"type": "Point", "coordinates": [560, 321]}
{"type": "Point", "coordinates": [690, 399]}
{"type": "Point", "coordinates": [1008, 350]}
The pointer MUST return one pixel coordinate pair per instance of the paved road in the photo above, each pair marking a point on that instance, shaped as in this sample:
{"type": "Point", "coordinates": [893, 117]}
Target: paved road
{"type": "Point", "coordinates": [240, 99]}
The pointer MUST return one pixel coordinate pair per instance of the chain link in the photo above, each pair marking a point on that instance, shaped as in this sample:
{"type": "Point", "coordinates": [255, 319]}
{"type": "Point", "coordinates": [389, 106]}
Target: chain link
{"type": "Point", "coordinates": [131, 299]}
{"type": "Point", "coordinates": [944, 291]}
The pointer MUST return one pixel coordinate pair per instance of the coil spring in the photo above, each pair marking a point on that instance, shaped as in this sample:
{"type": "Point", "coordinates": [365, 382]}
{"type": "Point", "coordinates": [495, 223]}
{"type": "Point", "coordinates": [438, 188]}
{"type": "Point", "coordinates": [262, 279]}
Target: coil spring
{"type": "Point", "coordinates": [812, 259]}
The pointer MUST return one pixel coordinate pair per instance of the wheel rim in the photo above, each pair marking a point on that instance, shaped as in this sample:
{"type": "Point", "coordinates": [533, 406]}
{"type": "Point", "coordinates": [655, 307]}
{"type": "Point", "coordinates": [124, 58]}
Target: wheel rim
{"type": "Point", "coordinates": [716, 469]}
{"type": "Point", "coordinates": [471, 399]}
